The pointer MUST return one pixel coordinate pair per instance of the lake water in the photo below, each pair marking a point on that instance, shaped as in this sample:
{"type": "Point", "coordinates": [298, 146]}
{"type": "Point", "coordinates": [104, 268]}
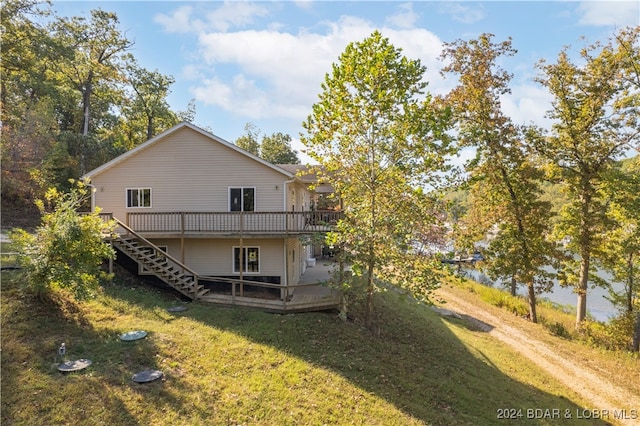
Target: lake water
{"type": "Point", "coordinates": [597, 305]}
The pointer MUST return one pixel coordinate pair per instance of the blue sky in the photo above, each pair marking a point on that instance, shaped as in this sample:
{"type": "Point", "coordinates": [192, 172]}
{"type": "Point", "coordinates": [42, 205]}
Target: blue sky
{"type": "Point", "coordinates": [263, 62]}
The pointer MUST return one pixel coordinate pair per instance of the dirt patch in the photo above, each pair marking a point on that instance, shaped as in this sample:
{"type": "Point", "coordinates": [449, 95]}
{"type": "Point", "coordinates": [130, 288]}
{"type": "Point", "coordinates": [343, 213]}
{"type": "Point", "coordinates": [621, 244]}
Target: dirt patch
{"type": "Point", "coordinates": [575, 373]}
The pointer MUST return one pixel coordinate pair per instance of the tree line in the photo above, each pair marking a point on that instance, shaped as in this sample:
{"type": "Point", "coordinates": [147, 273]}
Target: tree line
{"type": "Point", "coordinates": [73, 96]}
{"type": "Point", "coordinates": [383, 140]}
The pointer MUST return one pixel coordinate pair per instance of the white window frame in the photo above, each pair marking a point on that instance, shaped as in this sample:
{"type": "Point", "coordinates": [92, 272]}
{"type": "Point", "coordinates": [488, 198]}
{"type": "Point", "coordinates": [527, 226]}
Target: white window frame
{"type": "Point", "coordinates": [126, 198]}
{"type": "Point", "coordinates": [245, 258]}
{"type": "Point", "coordinates": [242, 188]}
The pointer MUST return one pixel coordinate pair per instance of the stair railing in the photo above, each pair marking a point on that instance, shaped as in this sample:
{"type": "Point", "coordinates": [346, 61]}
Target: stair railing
{"type": "Point", "coordinates": [157, 249]}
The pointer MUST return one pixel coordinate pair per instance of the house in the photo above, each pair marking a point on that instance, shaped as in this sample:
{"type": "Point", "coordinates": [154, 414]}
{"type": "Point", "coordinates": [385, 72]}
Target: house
{"type": "Point", "coordinates": [213, 221]}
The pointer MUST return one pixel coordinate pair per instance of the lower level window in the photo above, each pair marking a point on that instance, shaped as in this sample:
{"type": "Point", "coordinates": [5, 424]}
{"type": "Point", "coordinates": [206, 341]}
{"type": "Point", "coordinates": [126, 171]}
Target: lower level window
{"type": "Point", "coordinates": [250, 259]}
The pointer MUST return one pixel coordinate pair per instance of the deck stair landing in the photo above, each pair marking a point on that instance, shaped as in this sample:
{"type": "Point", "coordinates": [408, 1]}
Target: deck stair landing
{"type": "Point", "coordinates": [160, 264]}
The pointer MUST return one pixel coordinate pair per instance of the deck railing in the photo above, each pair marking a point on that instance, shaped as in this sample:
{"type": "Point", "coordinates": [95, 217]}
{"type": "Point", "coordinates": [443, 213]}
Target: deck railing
{"type": "Point", "coordinates": [234, 222]}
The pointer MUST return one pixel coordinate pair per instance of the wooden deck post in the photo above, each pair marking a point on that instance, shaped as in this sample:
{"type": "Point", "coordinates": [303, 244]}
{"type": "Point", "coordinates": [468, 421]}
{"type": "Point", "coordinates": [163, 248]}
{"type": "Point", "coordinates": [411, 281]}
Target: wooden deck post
{"type": "Point", "coordinates": [182, 238]}
{"type": "Point", "coordinates": [241, 254]}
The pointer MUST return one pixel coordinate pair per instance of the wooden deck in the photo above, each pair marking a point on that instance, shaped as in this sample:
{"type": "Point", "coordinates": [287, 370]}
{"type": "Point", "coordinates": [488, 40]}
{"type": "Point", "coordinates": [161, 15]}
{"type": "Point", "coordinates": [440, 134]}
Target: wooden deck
{"type": "Point", "coordinates": [319, 299]}
{"type": "Point", "coordinates": [310, 295]}
{"type": "Point", "coordinates": [232, 223]}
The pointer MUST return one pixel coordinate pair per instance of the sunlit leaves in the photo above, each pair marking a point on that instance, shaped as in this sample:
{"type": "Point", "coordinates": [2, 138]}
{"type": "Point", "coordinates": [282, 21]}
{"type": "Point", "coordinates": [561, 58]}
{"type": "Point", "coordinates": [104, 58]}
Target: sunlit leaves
{"type": "Point", "coordinates": [592, 128]}
{"type": "Point", "coordinates": [505, 209]}
{"type": "Point", "coordinates": [379, 136]}
{"type": "Point", "coordinates": [67, 249]}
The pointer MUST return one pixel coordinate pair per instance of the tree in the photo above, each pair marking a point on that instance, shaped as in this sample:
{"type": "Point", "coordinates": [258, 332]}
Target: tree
{"type": "Point", "coordinates": [505, 186]}
{"type": "Point", "coordinates": [30, 102]}
{"type": "Point", "coordinates": [621, 246]}
{"type": "Point", "coordinates": [249, 141]}
{"type": "Point", "coordinates": [48, 71]}
{"type": "Point", "coordinates": [144, 111]}
{"type": "Point", "coordinates": [151, 89]}
{"type": "Point", "coordinates": [68, 249]}
{"type": "Point", "coordinates": [276, 149]}
{"type": "Point", "coordinates": [94, 51]}
{"type": "Point", "coordinates": [380, 140]}
{"type": "Point", "coordinates": [26, 49]}
{"type": "Point", "coordinates": [594, 123]}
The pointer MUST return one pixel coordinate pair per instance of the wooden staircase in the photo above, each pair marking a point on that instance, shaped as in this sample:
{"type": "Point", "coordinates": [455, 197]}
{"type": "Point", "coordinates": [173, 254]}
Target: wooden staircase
{"type": "Point", "coordinates": [171, 271]}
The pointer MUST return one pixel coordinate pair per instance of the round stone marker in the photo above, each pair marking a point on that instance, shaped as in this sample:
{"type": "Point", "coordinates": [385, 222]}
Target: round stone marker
{"type": "Point", "coordinates": [147, 376]}
{"type": "Point", "coordinates": [76, 365]}
{"type": "Point", "coordinates": [133, 335]}
{"type": "Point", "coordinates": [177, 309]}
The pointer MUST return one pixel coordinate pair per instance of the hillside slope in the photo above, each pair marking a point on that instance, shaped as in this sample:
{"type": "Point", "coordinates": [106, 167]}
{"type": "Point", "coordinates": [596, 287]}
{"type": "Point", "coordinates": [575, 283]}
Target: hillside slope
{"type": "Point", "coordinates": [570, 364]}
{"type": "Point", "coordinates": [233, 366]}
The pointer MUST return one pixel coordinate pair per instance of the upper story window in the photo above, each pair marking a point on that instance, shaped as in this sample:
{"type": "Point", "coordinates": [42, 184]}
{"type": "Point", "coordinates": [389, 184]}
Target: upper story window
{"type": "Point", "coordinates": [242, 199]}
{"type": "Point", "coordinates": [139, 197]}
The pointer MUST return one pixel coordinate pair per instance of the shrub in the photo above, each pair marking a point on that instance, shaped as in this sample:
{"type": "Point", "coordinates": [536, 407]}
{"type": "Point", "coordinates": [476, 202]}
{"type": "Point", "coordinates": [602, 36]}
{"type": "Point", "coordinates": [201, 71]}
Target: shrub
{"type": "Point", "coordinates": [67, 249]}
{"type": "Point", "coordinates": [615, 335]}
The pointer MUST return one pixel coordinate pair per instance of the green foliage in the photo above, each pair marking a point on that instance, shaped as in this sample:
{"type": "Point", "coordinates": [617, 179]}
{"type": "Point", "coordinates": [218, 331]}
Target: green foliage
{"type": "Point", "coordinates": [594, 124]}
{"type": "Point", "coordinates": [249, 141]}
{"type": "Point", "coordinates": [67, 249]}
{"type": "Point", "coordinates": [380, 139]}
{"type": "Point", "coordinates": [558, 329]}
{"type": "Point", "coordinates": [146, 109]}
{"type": "Point", "coordinates": [504, 197]}
{"type": "Point", "coordinates": [67, 103]}
{"type": "Point", "coordinates": [276, 149]}
{"type": "Point", "coordinates": [620, 248]}
{"type": "Point", "coordinates": [614, 335]}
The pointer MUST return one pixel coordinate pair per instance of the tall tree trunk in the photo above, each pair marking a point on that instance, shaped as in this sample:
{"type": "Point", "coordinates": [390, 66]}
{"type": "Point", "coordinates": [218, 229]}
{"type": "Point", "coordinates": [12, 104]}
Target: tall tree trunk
{"type": "Point", "coordinates": [149, 127]}
{"type": "Point", "coordinates": [585, 250]}
{"type": "Point", "coordinates": [86, 114]}
{"type": "Point", "coordinates": [532, 303]}
{"type": "Point", "coordinates": [86, 102]}
{"type": "Point", "coordinates": [630, 283]}
{"type": "Point", "coordinates": [581, 306]}
{"type": "Point", "coordinates": [514, 285]}
{"type": "Point", "coordinates": [368, 319]}
{"type": "Point", "coordinates": [636, 334]}
{"type": "Point", "coordinates": [341, 276]}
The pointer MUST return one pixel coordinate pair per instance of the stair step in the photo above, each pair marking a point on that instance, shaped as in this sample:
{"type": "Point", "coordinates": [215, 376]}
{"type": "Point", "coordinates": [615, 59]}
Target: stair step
{"type": "Point", "coordinates": [202, 293]}
{"type": "Point", "coordinates": [145, 254]}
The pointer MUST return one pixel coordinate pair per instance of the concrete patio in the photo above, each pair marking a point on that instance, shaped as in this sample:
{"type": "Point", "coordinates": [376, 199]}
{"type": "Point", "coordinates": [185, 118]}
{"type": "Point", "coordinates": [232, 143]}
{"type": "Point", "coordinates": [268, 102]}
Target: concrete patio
{"type": "Point", "coordinates": [313, 280]}
{"type": "Point", "coordinates": [318, 273]}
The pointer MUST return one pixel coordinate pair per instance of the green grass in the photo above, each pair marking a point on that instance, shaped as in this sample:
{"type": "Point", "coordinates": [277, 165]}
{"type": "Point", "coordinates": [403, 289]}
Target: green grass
{"type": "Point", "coordinates": [232, 366]}
{"type": "Point", "coordinates": [559, 320]}
{"type": "Point", "coordinates": [594, 341]}
{"type": "Point", "coordinates": [7, 259]}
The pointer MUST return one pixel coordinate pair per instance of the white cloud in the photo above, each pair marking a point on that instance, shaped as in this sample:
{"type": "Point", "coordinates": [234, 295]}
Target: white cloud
{"type": "Point", "coordinates": [235, 14]}
{"type": "Point", "coordinates": [268, 74]}
{"type": "Point", "coordinates": [528, 104]}
{"type": "Point", "coordinates": [229, 15]}
{"type": "Point", "coordinates": [405, 18]}
{"type": "Point", "coordinates": [463, 12]}
{"type": "Point", "coordinates": [605, 13]}
{"type": "Point", "coordinates": [179, 21]}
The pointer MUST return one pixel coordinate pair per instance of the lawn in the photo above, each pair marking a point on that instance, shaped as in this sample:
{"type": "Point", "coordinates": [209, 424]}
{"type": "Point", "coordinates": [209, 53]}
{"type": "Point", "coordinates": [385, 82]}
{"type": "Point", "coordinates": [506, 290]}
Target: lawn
{"type": "Point", "coordinates": [234, 366]}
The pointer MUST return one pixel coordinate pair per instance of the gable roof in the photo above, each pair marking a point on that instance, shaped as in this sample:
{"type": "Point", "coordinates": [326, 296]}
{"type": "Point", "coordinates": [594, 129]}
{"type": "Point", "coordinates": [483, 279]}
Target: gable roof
{"type": "Point", "coordinates": [140, 148]}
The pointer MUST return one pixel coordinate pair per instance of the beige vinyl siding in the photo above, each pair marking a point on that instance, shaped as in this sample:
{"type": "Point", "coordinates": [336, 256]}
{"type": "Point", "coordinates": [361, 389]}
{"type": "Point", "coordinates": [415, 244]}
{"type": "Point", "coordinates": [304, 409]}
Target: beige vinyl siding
{"type": "Point", "coordinates": [214, 257]}
{"type": "Point", "coordinates": [294, 266]}
{"type": "Point", "coordinates": [187, 171]}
